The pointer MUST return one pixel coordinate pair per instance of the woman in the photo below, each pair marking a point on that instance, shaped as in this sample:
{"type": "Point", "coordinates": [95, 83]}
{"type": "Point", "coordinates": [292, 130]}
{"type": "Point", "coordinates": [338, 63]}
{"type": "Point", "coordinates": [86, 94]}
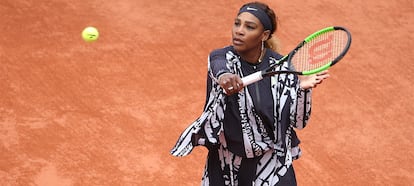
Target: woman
{"type": "Point", "coordinates": [248, 130]}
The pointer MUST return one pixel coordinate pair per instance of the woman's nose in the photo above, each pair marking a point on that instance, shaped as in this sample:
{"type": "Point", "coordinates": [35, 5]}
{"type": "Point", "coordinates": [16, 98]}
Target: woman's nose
{"type": "Point", "coordinates": [239, 30]}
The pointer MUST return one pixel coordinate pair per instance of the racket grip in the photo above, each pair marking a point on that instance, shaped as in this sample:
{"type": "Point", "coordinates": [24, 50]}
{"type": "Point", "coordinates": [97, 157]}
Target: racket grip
{"type": "Point", "coordinates": [252, 78]}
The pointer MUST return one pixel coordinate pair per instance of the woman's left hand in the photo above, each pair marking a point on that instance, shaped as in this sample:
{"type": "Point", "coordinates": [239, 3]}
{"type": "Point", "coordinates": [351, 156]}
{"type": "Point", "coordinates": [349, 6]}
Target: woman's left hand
{"type": "Point", "coordinates": [312, 81]}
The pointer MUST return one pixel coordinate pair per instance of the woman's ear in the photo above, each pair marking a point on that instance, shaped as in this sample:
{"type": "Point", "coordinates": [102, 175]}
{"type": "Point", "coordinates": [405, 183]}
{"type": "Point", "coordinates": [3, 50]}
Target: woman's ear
{"type": "Point", "coordinates": [265, 35]}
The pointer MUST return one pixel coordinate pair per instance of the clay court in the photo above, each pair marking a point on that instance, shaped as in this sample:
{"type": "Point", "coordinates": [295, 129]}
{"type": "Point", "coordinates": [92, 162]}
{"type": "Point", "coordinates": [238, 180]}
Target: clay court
{"type": "Point", "coordinates": [108, 112]}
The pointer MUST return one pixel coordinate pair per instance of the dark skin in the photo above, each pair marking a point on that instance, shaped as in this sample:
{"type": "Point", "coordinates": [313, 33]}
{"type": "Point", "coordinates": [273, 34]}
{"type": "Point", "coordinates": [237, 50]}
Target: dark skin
{"type": "Point", "coordinates": [248, 34]}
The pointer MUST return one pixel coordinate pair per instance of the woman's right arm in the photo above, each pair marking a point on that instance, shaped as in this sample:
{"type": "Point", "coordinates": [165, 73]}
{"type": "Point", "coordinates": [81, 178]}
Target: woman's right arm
{"type": "Point", "coordinates": [229, 81]}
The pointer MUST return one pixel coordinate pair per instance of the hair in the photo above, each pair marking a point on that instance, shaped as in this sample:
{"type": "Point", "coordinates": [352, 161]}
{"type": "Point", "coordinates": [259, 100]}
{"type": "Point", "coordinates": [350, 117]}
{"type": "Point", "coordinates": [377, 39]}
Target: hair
{"type": "Point", "coordinates": [272, 42]}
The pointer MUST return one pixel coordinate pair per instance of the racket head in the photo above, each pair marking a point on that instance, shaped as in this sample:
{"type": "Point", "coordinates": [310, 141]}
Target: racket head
{"type": "Point", "coordinates": [320, 50]}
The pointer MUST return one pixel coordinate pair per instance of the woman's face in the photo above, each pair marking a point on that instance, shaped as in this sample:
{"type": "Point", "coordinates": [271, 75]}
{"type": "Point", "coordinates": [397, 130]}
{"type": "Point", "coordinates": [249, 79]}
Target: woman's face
{"type": "Point", "coordinates": [247, 34]}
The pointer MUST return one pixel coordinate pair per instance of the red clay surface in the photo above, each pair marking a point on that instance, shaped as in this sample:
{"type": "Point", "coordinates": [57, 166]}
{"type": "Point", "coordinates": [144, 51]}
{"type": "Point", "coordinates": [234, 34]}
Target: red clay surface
{"type": "Point", "coordinates": [107, 113]}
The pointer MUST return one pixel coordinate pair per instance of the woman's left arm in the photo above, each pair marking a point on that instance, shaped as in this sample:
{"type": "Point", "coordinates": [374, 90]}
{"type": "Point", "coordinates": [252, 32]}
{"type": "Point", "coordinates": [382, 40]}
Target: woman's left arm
{"type": "Point", "coordinates": [301, 109]}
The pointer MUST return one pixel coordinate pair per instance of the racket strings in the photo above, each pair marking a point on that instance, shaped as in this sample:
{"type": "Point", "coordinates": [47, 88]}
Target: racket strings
{"type": "Point", "coordinates": [320, 51]}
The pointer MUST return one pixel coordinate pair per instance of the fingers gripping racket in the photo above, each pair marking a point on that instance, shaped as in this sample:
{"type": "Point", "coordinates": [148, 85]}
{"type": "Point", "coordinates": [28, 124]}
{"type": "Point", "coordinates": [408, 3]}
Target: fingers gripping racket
{"type": "Point", "coordinates": [318, 52]}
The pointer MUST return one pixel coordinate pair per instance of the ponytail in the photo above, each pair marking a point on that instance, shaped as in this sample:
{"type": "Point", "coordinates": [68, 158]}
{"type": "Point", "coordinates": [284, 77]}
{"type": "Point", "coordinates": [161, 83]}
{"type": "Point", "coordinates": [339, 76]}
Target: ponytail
{"type": "Point", "coordinates": [274, 44]}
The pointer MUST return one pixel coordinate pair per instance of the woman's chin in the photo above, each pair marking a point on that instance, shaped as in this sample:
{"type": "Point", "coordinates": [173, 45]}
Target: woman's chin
{"type": "Point", "coordinates": [238, 48]}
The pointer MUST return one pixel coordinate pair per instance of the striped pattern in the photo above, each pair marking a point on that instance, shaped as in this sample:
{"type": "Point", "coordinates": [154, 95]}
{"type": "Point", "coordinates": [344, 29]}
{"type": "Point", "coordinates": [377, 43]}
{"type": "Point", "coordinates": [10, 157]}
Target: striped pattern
{"type": "Point", "coordinates": [276, 156]}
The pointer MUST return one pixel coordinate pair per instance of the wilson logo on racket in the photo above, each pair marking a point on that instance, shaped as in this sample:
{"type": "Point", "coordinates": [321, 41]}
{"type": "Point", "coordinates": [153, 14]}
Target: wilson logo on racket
{"type": "Point", "coordinates": [321, 50]}
{"type": "Point", "coordinates": [317, 52]}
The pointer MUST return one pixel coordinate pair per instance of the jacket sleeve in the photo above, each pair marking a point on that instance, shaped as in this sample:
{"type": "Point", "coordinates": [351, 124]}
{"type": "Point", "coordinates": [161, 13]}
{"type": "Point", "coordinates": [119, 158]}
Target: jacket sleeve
{"type": "Point", "coordinates": [299, 99]}
{"type": "Point", "coordinates": [208, 126]}
{"type": "Point", "coordinates": [217, 63]}
{"type": "Point", "coordinates": [301, 107]}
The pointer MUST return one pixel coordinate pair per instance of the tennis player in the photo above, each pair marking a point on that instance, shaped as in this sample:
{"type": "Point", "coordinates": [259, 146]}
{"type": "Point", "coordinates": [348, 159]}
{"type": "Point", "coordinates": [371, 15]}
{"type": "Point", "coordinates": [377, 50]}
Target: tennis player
{"type": "Point", "coordinates": [250, 131]}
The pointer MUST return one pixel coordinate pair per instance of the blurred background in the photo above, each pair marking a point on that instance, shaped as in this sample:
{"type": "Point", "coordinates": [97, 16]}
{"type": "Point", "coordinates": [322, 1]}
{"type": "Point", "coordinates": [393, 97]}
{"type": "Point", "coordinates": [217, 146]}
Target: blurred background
{"type": "Point", "coordinates": [108, 112]}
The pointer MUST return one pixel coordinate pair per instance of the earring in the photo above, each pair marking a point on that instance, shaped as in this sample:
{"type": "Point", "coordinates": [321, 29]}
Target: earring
{"type": "Point", "coordinates": [261, 53]}
{"type": "Point", "coordinates": [262, 45]}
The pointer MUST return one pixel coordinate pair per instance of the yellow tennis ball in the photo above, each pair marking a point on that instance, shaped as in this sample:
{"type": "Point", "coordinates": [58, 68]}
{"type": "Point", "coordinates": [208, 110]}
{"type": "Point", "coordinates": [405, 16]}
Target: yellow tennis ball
{"type": "Point", "coordinates": [90, 34]}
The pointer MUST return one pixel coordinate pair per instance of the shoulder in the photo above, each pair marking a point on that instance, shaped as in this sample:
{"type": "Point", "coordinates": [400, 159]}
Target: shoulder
{"type": "Point", "coordinates": [274, 54]}
{"type": "Point", "coordinates": [220, 51]}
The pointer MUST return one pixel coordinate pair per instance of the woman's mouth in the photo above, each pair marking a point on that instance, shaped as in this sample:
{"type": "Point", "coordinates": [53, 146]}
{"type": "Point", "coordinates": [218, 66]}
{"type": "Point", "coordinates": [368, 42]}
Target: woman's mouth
{"type": "Point", "coordinates": [237, 41]}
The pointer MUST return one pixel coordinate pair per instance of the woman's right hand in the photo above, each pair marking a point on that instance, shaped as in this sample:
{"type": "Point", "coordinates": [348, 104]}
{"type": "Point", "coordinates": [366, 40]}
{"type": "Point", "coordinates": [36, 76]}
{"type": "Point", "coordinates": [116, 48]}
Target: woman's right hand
{"type": "Point", "coordinates": [231, 83]}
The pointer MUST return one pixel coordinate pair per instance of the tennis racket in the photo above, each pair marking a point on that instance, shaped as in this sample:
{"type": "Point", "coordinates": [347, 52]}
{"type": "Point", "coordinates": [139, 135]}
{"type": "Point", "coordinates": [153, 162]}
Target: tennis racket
{"type": "Point", "coordinates": [318, 52]}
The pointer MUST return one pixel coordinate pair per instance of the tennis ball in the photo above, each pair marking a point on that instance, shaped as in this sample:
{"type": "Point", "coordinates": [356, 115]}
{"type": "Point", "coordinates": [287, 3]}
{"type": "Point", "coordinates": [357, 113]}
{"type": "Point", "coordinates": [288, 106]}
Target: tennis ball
{"type": "Point", "coordinates": [90, 34]}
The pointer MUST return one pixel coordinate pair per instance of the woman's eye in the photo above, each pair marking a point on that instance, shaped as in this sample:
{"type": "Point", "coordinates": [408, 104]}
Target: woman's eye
{"type": "Point", "coordinates": [250, 27]}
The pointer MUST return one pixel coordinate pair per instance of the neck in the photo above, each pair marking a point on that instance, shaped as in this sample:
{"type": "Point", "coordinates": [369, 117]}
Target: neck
{"type": "Point", "coordinates": [253, 57]}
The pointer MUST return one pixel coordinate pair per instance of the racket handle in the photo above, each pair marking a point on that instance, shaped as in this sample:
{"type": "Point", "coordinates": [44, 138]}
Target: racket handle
{"type": "Point", "coordinates": [252, 78]}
